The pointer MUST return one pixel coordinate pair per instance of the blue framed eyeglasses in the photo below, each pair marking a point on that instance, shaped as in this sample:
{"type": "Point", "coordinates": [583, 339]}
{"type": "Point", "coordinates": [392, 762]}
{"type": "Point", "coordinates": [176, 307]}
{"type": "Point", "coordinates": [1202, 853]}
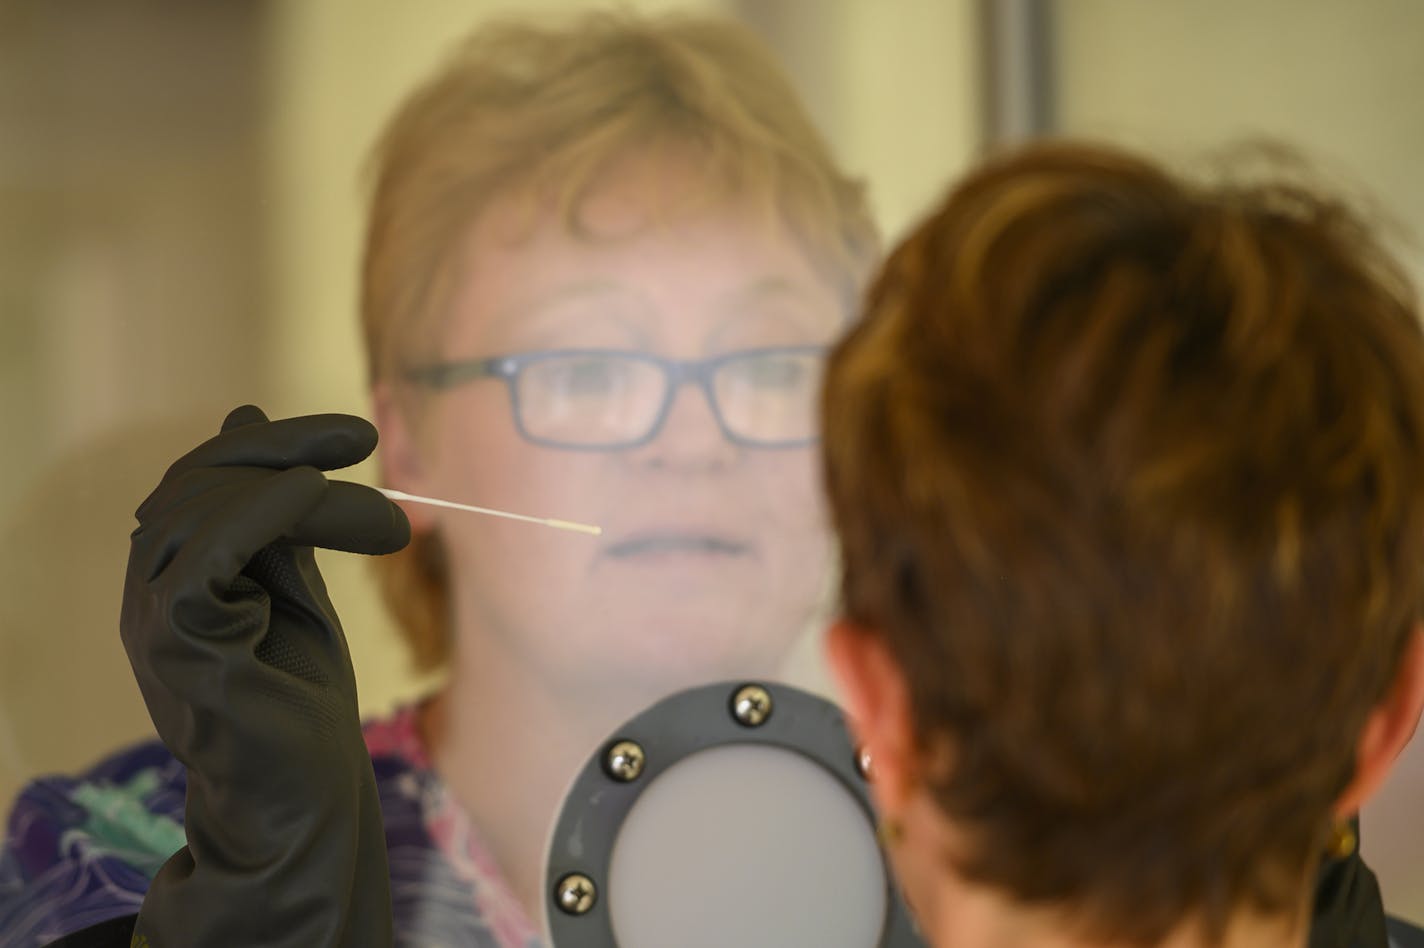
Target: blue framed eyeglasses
{"type": "Point", "coordinates": [607, 399]}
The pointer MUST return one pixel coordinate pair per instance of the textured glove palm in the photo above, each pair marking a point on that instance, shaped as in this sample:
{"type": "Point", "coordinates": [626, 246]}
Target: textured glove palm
{"type": "Point", "coordinates": [245, 671]}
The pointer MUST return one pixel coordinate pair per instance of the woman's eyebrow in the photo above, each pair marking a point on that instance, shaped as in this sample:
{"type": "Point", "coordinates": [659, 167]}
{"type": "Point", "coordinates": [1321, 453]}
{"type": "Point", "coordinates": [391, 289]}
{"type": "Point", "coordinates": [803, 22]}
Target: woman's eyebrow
{"type": "Point", "coordinates": [771, 285]}
{"type": "Point", "coordinates": [740, 305]}
{"type": "Point", "coordinates": [545, 299]}
{"type": "Point", "coordinates": [543, 304]}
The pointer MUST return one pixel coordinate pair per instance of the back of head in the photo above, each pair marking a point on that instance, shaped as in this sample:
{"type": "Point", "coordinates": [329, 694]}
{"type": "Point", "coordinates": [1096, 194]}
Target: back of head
{"type": "Point", "coordinates": [1129, 472]}
{"type": "Point", "coordinates": [544, 111]}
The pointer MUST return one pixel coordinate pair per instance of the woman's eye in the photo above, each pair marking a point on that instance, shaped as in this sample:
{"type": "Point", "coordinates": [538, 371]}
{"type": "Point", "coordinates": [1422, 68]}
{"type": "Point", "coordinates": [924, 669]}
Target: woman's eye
{"type": "Point", "coordinates": [773, 373]}
{"type": "Point", "coordinates": [586, 376]}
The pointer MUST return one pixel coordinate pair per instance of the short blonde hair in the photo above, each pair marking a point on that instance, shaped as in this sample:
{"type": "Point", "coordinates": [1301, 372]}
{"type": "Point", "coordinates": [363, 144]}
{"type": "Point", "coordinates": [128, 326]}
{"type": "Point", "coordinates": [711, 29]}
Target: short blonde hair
{"type": "Point", "coordinates": [545, 110]}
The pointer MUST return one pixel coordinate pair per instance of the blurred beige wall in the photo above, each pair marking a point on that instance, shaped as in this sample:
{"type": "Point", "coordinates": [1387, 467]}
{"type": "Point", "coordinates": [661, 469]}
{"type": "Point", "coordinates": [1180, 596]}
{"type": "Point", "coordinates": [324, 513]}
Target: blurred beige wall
{"type": "Point", "coordinates": [1339, 80]}
{"type": "Point", "coordinates": [130, 319]}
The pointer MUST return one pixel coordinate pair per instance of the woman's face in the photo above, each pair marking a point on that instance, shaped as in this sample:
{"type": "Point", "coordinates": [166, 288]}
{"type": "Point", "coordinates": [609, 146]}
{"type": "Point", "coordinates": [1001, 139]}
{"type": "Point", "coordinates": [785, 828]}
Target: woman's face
{"type": "Point", "coordinates": [713, 554]}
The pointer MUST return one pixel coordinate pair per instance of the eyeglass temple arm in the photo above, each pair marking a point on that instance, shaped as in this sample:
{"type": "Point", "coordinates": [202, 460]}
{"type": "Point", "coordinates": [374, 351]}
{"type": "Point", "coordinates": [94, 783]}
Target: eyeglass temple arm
{"type": "Point", "coordinates": [446, 374]}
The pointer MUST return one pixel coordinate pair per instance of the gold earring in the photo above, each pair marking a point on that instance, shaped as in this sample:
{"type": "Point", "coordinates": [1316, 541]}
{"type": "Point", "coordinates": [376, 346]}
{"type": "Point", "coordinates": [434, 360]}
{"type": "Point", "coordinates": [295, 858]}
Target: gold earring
{"type": "Point", "coordinates": [1343, 840]}
{"type": "Point", "coordinates": [889, 831]}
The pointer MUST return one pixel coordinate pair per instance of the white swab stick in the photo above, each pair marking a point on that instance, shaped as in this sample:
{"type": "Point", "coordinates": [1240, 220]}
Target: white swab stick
{"type": "Point", "coordinates": [545, 521]}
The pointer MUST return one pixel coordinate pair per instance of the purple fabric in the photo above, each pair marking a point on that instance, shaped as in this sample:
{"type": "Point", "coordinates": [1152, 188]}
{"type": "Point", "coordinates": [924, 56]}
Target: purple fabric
{"type": "Point", "coordinates": [80, 850]}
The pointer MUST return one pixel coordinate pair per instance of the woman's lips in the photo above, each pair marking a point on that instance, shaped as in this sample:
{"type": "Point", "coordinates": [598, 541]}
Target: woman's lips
{"type": "Point", "coordinates": [655, 544]}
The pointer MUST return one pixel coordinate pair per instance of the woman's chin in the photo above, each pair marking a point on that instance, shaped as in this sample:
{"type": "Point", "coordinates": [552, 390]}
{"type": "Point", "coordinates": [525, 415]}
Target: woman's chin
{"type": "Point", "coordinates": [655, 653]}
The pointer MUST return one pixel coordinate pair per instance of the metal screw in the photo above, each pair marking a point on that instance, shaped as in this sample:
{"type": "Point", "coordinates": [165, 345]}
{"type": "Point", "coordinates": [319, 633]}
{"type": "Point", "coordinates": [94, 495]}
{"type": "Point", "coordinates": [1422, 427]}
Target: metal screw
{"type": "Point", "coordinates": [862, 762]}
{"type": "Point", "coordinates": [751, 705]}
{"type": "Point", "coordinates": [575, 894]}
{"type": "Point", "coordinates": [624, 761]}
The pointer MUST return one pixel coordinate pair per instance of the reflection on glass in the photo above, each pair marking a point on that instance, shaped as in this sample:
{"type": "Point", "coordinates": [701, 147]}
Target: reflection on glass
{"type": "Point", "coordinates": [602, 264]}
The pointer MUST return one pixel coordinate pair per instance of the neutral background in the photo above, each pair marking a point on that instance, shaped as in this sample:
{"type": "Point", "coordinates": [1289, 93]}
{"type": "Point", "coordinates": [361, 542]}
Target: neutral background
{"type": "Point", "coordinates": [180, 215]}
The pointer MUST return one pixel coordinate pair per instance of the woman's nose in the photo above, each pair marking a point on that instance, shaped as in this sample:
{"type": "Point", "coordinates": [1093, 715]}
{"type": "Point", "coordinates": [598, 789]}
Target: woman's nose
{"type": "Point", "coordinates": [690, 438]}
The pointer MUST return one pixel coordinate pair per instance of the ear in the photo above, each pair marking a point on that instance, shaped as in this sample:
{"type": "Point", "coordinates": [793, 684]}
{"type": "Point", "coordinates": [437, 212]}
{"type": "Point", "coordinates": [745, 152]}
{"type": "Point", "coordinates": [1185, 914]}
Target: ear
{"type": "Point", "coordinates": [877, 701]}
{"type": "Point", "coordinates": [1388, 729]}
{"type": "Point", "coordinates": [399, 454]}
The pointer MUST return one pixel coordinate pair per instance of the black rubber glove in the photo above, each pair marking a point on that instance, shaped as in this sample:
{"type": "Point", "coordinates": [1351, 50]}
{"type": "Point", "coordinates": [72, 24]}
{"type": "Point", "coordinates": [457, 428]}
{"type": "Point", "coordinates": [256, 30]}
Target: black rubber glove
{"type": "Point", "coordinates": [246, 674]}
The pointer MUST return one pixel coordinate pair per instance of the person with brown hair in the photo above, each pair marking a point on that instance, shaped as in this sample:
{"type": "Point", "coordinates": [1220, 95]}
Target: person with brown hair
{"type": "Point", "coordinates": [1128, 473]}
{"type": "Point", "coordinates": [603, 262]}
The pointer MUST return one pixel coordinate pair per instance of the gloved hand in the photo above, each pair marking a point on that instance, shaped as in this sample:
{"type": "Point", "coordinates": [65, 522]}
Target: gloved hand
{"type": "Point", "coordinates": [246, 674]}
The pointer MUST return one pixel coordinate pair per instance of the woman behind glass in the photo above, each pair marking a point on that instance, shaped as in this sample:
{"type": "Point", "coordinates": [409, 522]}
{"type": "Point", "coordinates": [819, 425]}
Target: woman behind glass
{"type": "Point", "coordinates": [602, 264]}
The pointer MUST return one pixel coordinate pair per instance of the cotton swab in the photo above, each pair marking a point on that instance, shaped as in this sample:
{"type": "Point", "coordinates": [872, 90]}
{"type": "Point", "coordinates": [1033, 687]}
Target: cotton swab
{"type": "Point", "coordinates": [545, 521]}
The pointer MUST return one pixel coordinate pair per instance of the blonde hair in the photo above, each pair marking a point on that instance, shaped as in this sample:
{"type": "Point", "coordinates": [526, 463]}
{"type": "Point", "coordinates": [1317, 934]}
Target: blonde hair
{"type": "Point", "coordinates": [544, 111]}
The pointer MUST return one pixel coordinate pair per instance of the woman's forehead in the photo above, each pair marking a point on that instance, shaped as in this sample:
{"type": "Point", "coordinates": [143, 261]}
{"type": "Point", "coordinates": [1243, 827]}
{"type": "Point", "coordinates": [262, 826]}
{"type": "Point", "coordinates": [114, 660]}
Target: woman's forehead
{"type": "Point", "coordinates": [686, 291]}
{"type": "Point", "coordinates": [623, 199]}
{"type": "Point", "coordinates": [654, 235]}
{"type": "Point", "coordinates": [633, 231]}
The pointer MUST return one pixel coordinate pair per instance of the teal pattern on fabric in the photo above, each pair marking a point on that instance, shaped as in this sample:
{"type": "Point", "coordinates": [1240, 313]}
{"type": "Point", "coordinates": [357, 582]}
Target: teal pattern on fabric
{"type": "Point", "coordinates": [120, 824]}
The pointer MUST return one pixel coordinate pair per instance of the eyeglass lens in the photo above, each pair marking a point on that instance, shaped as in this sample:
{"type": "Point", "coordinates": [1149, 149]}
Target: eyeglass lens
{"type": "Point", "coordinates": [595, 399]}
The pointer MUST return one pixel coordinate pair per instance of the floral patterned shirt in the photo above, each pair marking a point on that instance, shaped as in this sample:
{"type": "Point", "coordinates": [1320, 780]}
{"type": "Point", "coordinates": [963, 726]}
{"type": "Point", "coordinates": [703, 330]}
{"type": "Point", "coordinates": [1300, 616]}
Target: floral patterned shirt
{"type": "Point", "coordinates": [81, 850]}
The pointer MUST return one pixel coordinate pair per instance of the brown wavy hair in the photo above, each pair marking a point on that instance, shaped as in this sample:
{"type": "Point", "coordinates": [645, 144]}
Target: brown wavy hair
{"type": "Point", "coordinates": [542, 111]}
{"type": "Point", "coordinates": [1129, 473]}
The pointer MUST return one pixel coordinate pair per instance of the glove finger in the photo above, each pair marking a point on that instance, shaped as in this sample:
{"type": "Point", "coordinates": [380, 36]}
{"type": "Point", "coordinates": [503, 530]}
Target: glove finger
{"type": "Point", "coordinates": [179, 490]}
{"type": "Point", "coordinates": [353, 518]}
{"type": "Point", "coordinates": [168, 529]}
{"type": "Point", "coordinates": [209, 551]}
{"type": "Point", "coordinates": [244, 415]}
{"type": "Point", "coordinates": [349, 517]}
{"type": "Point", "coordinates": [326, 442]}
{"type": "Point", "coordinates": [153, 504]}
